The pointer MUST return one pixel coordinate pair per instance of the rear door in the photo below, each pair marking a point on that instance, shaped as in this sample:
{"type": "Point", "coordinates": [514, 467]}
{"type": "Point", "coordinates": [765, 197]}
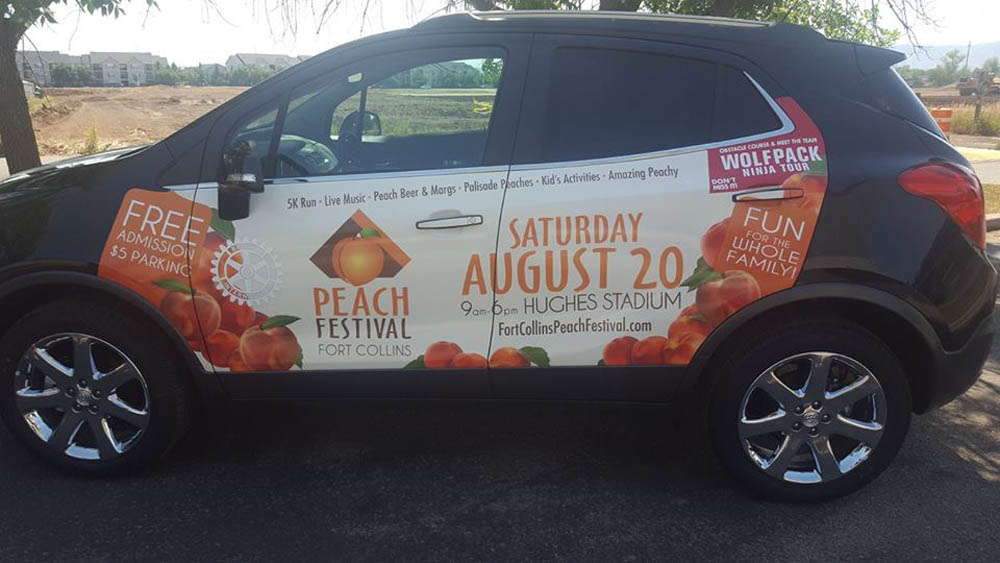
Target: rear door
{"type": "Point", "coordinates": [621, 245]}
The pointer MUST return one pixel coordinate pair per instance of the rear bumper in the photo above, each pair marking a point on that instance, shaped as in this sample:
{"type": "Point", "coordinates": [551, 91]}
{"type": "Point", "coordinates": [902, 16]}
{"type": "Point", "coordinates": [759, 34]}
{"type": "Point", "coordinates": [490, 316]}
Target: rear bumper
{"type": "Point", "coordinates": [956, 371]}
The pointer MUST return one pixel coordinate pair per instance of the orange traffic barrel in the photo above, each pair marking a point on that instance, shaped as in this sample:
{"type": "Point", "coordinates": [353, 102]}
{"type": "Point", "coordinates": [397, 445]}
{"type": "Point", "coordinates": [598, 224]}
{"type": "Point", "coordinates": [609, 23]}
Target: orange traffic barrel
{"type": "Point", "coordinates": [943, 118]}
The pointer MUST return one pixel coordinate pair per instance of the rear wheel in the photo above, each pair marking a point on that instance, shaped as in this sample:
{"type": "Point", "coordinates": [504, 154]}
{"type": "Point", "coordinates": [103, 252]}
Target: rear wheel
{"type": "Point", "coordinates": [813, 411]}
{"type": "Point", "coordinates": [91, 389]}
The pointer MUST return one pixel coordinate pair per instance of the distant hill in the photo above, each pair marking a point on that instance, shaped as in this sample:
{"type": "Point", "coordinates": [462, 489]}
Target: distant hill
{"type": "Point", "coordinates": [929, 59]}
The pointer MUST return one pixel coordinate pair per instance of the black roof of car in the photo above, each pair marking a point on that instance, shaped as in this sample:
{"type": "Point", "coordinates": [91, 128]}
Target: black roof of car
{"type": "Point", "coordinates": [707, 27]}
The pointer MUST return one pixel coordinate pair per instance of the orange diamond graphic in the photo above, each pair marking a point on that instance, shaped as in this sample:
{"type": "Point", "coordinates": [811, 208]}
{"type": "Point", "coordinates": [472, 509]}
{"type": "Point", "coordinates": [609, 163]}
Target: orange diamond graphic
{"type": "Point", "coordinates": [390, 255]}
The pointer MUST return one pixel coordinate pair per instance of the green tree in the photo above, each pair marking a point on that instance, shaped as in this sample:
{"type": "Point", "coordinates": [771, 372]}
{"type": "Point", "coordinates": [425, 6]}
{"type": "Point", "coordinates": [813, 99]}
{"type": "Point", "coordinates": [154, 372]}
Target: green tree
{"type": "Point", "coordinates": [915, 77]}
{"type": "Point", "coordinates": [949, 70]}
{"type": "Point", "coordinates": [16, 16]}
{"type": "Point", "coordinates": [492, 68]}
{"type": "Point", "coordinates": [992, 64]}
{"type": "Point", "coordinates": [851, 20]}
{"type": "Point", "coordinates": [63, 75]}
{"type": "Point", "coordinates": [166, 75]}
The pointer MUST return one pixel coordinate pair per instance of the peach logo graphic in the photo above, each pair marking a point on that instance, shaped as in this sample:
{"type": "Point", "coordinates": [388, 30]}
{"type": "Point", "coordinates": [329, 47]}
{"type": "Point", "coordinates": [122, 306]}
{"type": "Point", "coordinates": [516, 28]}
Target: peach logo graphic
{"type": "Point", "coordinates": [359, 251]}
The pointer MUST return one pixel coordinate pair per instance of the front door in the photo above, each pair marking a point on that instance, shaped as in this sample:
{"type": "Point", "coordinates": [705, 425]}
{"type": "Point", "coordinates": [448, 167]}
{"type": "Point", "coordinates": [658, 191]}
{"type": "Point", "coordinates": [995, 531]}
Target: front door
{"type": "Point", "coordinates": [381, 177]}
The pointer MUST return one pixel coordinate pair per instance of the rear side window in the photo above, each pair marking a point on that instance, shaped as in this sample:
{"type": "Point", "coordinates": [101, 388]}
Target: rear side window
{"type": "Point", "coordinates": [605, 102]}
{"type": "Point", "coordinates": [740, 111]}
{"type": "Point", "coordinates": [889, 93]}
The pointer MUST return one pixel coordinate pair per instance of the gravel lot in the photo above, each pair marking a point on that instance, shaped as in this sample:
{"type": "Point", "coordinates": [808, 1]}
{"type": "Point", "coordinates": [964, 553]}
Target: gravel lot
{"type": "Point", "coordinates": [499, 481]}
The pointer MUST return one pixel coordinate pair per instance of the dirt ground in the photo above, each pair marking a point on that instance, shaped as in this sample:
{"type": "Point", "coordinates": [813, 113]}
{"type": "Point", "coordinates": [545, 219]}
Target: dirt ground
{"type": "Point", "coordinates": [119, 117]}
{"type": "Point", "coordinates": [71, 121]}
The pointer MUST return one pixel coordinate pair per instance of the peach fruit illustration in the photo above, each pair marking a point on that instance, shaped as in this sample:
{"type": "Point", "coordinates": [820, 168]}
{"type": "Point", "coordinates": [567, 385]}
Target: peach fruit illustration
{"type": "Point", "coordinates": [220, 347]}
{"type": "Point", "coordinates": [508, 357]}
{"type": "Point", "coordinates": [184, 310]}
{"type": "Point", "coordinates": [271, 349]}
{"type": "Point", "coordinates": [681, 349]}
{"type": "Point", "coordinates": [649, 350]}
{"type": "Point", "coordinates": [712, 241]}
{"type": "Point", "coordinates": [201, 262]}
{"type": "Point", "coordinates": [359, 260]}
{"type": "Point", "coordinates": [812, 185]}
{"type": "Point", "coordinates": [720, 298]}
{"type": "Point", "coordinates": [236, 362]}
{"type": "Point", "coordinates": [236, 317]}
{"type": "Point", "coordinates": [441, 354]}
{"type": "Point", "coordinates": [618, 352]}
{"type": "Point", "coordinates": [689, 321]}
{"type": "Point", "coordinates": [468, 360]}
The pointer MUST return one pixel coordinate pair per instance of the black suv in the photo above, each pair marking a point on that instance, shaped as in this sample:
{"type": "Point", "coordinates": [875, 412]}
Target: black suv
{"type": "Point", "coordinates": [569, 206]}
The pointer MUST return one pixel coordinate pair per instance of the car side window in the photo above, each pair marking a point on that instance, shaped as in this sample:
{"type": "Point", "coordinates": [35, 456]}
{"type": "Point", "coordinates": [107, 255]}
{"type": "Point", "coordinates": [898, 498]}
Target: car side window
{"type": "Point", "coordinates": [428, 116]}
{"type": "Point", "coordinates": [257, 129]}
{"type": "Point", "coordinates": [607, 102]}
{"type": "Point", "coordinates": [741, 110]}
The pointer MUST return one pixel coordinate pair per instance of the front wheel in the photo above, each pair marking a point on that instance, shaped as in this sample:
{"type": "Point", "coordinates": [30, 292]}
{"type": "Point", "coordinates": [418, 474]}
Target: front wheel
{"type": "Point", "coordinates": [90, 388]}
{"type": "Point", "coordinates": [813, 411]}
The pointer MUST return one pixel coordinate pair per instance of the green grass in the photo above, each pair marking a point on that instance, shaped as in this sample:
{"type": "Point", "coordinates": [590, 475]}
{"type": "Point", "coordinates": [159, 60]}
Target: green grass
{"type": "Point", "coordinates": [991, 193]}
{"type": "Point", "coordinates": [36, 104]}
{"type": "Point", "coordinates": [979, 155]}
{"type": "Point", "coordinates": [963, 121]}
{"type": "Point", "coordinates": [412, 112]}
{"type": "Point", "coordinates": [90, 145]}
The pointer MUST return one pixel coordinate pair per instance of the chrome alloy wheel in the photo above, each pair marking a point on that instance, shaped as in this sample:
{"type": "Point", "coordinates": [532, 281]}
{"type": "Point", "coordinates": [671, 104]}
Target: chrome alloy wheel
{"type": "Point", "coordinates": [812, 417]}
{"type": "Point", "coordinates": [81, 396]}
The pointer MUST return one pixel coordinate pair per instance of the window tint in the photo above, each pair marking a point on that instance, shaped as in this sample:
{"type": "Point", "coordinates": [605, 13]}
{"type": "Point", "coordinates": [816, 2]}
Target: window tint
{"type": "Point", "coordinates": [425, 117]}
{"type": "Point", "coordinates": [257, 129]}
{"type": "Point", "coordinates": [741, 111]}
{"type": "Point", "coordinates": [606, 102]}
{"type": "Point", "coordinates": [889, 93]}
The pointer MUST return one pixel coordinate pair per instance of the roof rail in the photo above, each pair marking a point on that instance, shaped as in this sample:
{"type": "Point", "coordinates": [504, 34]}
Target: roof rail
{"type": "Point", "coordinates": [527, 15]}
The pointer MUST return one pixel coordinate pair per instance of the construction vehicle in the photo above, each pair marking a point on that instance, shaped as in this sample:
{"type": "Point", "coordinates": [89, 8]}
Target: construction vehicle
{"type": "Point", "coordinates": [981, 83]}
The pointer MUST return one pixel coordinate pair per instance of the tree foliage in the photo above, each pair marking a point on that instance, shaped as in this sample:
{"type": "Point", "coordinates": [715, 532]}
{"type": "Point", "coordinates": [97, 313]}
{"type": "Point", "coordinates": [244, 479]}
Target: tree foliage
{"type": "Point", "coordinates": [22, 14]}
{"type": "Point", "coordinates": [851, 20]}
{"type": "Point", "coordinates": [16, 16]}
{"type": "Point", "coordinates": [950, 69]}
{"type": "Point", "coordinates": [992, 64]}
{"type": "Point", "coordinates": [70, 75]}
{"type": "Point", "coordinates": [211, 75]}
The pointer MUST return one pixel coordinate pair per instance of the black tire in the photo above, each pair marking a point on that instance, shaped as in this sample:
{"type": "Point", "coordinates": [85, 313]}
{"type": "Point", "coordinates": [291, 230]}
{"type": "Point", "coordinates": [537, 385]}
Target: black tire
{"type": "Point", "coordinates": [164, 374]}
{"type": "Point", "coordinates": [742, 363]}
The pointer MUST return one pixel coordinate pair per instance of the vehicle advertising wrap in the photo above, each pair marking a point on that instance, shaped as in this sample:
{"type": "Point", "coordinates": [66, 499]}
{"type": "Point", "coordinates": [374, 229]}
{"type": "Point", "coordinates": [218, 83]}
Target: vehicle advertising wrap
{"type": "Point", "coordinates": [623, 261]}
{"type": "Point", "coordinates": [186, 261]}
{"type": "Point", "coordinates": [634, 261]}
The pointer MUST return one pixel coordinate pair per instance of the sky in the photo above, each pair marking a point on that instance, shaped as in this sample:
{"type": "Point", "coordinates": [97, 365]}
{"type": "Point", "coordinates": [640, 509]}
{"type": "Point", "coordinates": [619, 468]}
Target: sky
{"type": "Point", "coordinates": [189, 32]}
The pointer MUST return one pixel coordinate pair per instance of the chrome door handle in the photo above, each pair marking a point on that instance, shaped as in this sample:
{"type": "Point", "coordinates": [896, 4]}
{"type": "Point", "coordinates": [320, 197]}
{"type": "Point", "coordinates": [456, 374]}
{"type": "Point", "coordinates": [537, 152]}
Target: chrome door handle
{"type": "Point", "coordinates": [456, 222]}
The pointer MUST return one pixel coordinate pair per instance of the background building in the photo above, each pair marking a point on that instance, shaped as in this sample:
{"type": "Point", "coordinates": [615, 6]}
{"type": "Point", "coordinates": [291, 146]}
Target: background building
{"type": "Point", "coordinates": [36, 66]}
{"type": "Point", "coordinates": [105, 69]}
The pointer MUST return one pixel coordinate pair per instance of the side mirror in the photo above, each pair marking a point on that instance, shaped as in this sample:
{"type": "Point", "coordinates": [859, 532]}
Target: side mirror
{"type": "Point", "coordinates": [242, 172]}
{"type": "Point", "coordinates": [242, 167]}
{"type": "Point", "coordinates": [371, 124]}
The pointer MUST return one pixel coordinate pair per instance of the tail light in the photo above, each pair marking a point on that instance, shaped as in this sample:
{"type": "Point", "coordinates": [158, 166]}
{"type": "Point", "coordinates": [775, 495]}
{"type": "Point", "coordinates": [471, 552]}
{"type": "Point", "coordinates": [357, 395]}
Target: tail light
{"type": "Point", "coordinates": [956, 189]}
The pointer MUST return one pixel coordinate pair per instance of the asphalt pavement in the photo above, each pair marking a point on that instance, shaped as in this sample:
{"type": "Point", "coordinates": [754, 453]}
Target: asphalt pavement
{"type": "Point", "coordinates": [431, 481]}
